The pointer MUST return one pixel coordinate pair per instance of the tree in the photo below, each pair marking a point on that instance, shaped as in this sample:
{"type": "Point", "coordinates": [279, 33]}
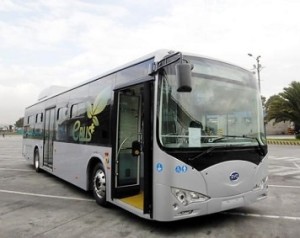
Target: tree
{"type": "Point", "coordinates": [19, 123]}
{"type": "Point", "coordinates": [285, 106]}
{"type": "Point", "coordinates": [263, 101]}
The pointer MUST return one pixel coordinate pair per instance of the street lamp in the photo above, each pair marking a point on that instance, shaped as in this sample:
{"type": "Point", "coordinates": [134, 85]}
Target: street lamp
{"type": "Point", "coordinates": [258, 67]}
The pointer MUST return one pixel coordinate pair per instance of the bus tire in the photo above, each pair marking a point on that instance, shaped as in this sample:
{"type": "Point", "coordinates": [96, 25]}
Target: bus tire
{"type": "Point", "coordinates": [99, 185]}
{"type": "Point", "coordinates": [36, 161]}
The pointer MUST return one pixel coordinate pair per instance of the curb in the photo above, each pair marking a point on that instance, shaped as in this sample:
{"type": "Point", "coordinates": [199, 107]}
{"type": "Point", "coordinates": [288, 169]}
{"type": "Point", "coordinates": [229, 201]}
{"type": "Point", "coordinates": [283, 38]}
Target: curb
{"type": "Point", "coordinates": [282, 142]}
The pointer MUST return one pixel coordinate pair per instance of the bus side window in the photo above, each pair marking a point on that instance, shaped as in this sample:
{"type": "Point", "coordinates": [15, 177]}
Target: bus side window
{"type": "Point", "coordinates": [78, 110]}
{"type": "Point", "coordinates": [73, 112]}
{"type": "Point", "coordinates": [62, 117]}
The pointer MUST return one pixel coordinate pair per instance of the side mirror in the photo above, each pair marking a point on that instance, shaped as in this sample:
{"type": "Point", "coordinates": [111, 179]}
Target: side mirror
{"type": "Point", "coordinates": [184, 77]}
{"type": "Point", "coordinates": [135, 148]}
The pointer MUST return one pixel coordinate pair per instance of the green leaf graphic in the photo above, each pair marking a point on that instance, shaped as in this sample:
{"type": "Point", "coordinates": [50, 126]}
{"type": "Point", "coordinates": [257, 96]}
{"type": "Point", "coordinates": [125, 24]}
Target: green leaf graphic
{"type": "Point", "coordinates": [95, 121]}
{"type": "Point", "coordinates": [92, 128]}
{"type": "Point", "coordinates": [99, 104]}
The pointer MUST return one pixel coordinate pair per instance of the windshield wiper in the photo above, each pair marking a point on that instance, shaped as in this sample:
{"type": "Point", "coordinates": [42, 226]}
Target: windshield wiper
{"type": "Point", "coordinates": [260, 147]}
{"type": "Point", "coordinates": [203, 153]}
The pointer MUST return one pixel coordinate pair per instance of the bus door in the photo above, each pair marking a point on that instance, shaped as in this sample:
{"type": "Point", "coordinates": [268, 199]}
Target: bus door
{"type": "Point", "coordinates": [49, 133]}
{"type": "Point", "coordinates": [132, 167]}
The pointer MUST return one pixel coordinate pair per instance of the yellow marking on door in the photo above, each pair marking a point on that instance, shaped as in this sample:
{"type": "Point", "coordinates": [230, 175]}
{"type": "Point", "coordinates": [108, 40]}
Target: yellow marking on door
{"type": "Point", "coordinates": [135, 201]}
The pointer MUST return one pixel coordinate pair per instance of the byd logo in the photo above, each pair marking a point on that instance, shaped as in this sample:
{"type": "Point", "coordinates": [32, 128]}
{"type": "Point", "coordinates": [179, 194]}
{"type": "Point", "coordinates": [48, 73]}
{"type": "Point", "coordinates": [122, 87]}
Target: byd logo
{"type": "Point", "coordinates": [234, 176]}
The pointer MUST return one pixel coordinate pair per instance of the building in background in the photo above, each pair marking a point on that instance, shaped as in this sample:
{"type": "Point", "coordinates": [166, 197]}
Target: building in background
{"type": "Point", "coordinates": [280, 128]}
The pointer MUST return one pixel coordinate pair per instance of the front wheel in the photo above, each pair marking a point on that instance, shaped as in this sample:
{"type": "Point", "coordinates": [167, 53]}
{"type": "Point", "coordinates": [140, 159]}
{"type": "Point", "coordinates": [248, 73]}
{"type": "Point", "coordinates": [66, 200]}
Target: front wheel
{"type": "Point", "coordinates": [99, 185]}
{"type": "Point", "coordinates": [36, 161]}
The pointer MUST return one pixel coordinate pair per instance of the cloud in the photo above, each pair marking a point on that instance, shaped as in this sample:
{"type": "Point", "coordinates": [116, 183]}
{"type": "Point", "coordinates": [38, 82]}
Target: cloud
{"type": "Point", "coordinates": [14, 99]}
{"type": "Point", "coordinates": [66, 42]}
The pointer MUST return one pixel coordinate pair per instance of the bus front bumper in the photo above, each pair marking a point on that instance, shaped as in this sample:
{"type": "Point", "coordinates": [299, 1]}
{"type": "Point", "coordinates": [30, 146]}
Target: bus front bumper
{"type": "Point", "coordinates": [169, 209]}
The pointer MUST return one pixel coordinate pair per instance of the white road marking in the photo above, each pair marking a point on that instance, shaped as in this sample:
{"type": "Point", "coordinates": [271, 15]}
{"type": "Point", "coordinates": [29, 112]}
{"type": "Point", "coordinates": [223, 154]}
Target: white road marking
{"type": "Point", "coordinates": [23, 170]}
{"type": "Point", "coordinates": [283, 186]}
{"type": "Point", "coordinates": [280, 158]}
{"type": "Point", "coordinates": [46, 196]}
{"type": "Point", "coordinates": [290, 159]}
{"type": "Point", "coordinates": [292, 170]}
{"type": "Point", "coordinates": [262, 216]}
{"type": "Point", "coordinates": [298, 166]}
{"type": "Point", "coordinates": [13, 160]}
{"type": "Point", "coordinates": [276, 169]}
{"type": "Point", "coordinates": [288, 173]}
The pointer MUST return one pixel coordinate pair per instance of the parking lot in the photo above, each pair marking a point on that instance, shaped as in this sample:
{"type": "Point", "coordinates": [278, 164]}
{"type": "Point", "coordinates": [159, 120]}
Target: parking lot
{"type": "Point", "coordinates": [41, 205]}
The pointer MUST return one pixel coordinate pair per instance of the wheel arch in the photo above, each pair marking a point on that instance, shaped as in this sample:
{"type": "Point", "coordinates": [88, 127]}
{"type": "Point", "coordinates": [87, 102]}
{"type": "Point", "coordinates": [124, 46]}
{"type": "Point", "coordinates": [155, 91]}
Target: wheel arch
{"type": "Point", "coordinates": [90, 168]}
{"type": "Point", "coordinates": [37, 148]}
{"type": "Point", "coordinates": [36, 158]}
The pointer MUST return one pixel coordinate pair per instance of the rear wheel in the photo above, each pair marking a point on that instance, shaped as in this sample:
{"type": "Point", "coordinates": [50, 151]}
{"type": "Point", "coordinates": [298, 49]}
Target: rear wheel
{"type": "Point", "coordinates": [99, 185]}
{"type": "Point", "coordinates": [36, 161]}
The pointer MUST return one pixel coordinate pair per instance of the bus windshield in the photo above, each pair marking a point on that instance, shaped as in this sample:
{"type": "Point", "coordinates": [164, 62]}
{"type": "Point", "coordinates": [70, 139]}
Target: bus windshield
{"type": "Point", "coordinates": [223, 109]}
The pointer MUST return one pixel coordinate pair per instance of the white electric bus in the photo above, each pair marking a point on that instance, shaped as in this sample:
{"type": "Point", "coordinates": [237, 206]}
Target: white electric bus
{"type": "Point", "coordinates": [166, 137]}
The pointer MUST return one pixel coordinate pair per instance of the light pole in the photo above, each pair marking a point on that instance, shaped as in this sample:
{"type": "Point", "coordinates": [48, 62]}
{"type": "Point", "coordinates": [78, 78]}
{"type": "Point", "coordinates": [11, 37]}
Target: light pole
{"type": "Point", "coordinates": [258, 67]}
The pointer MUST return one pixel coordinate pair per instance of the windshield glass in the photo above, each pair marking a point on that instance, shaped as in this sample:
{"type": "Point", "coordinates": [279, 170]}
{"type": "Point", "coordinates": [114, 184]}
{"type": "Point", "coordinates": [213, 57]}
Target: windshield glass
{"type": "Point", "coordinates": [223, 108]}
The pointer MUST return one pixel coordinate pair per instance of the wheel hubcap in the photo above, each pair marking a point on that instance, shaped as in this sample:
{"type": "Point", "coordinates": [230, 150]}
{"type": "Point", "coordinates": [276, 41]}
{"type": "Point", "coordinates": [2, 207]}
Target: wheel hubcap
{"type": "Point", "coordinates": [36, 162]}
{"type": "Point", "coordinates": [99, 184]}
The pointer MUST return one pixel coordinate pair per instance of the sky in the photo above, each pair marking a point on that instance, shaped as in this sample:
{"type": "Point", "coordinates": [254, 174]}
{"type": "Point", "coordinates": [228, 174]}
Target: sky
{"type": "Point", "coordinates": [55, 42]}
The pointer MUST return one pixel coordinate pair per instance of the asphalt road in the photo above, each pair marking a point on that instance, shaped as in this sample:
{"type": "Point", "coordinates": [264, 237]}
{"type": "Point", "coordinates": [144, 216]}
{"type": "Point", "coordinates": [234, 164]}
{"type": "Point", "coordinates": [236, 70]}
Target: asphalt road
{"type": "Point", "coordinates": [40, 205]}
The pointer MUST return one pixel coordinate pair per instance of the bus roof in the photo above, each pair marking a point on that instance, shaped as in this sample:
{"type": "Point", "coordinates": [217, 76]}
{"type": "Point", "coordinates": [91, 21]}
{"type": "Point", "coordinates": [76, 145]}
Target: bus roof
{"type": "Point", "coordinates": [156, 55]}
{"type": "Point", "coordinates": [50, 93]}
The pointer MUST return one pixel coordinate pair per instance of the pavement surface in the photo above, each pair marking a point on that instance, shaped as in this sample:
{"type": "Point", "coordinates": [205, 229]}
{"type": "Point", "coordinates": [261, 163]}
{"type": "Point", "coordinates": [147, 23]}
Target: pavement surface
{"type": "Point", "coordinates": [41, 205]}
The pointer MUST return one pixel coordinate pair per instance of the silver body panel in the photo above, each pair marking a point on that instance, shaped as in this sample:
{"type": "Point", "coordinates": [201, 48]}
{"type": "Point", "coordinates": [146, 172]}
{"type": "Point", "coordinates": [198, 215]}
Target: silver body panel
{"type": "Point", "coordinates": [213, 181]}
{"type": "Point", "coordinates": [71, 161]}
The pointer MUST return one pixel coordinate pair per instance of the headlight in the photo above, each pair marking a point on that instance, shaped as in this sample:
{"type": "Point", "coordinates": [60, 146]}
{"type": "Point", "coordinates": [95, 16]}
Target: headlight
{"type": "Point", "coordinates": [185, 197]}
